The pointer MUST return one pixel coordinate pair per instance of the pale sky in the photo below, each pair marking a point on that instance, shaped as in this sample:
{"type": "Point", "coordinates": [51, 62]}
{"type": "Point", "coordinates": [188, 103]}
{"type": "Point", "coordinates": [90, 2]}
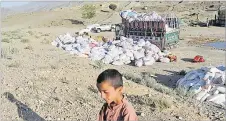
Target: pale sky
{"type": "Point", "coordinates": [10, 4]}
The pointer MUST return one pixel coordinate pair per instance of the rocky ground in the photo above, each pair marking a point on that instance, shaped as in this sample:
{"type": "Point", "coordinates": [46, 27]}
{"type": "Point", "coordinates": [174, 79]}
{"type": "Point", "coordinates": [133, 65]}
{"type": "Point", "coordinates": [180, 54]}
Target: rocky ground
{"type": "Point", "coordinates": [49, 83]}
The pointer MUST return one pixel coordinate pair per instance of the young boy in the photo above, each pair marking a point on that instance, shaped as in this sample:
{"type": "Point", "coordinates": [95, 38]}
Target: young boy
{"type": "Point", "coordinates": [116, 108]}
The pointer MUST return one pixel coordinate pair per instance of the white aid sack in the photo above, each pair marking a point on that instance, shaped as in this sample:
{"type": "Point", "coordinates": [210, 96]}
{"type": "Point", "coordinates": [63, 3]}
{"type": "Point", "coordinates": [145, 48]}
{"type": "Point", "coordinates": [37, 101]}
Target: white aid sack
{"type": "Point", "coordinates": [154, 48]}
{"type": "Point", "coordinates": [130, 40]}
{"type": "Point", "coordinates": [156, 57]}
{"type": "Point", "coordinates": [219, 78]}
{"type": "Point", "coordinates": [117, 63]}
{"type": "Point", "coordinates": [165, 60]}
{"type": "Point", "coordinates": [215, 92]}
{"type": "Point", "coordinates": [196, 89]}
{"type": "Point", "coordinates": [149, 62]}
{"type": "Point", "coordinates": [116, 58]}
{"type": "Point", "coordinates": [116, 42]}
{"type": "Point", "coordinates": [74, 52]}
{"type": "Point", "coordinates": [161, 55]}
{"type": "Point", "coordinates": [147, 43]}
{"type": "Point", "coordinates": [111, 48]}
{"type": "Point", "coordinates": [127, 60]}
{"type": "Point", "coordinates": [122, 38]}
{"type": "Point", "coordinates": [215, 70]}
{"type": "Point", "coordinates": [141, 43]}
{"type": "Point", "coordinates": [209, 77]}
{"type": "Point", "coordinates": [107, 59]}
{"type": "Point", "coordinates": [129, 53]}
{"type": "Point", "coordinates": [96, 57]}
{"type": "Point", "coordinates": [201, 94]}
{"type": "Point", "coordinates": [122, 56]}
{"type": "Point", "coordinates": [125, 45]}
{"type": "Point", "coordinates": [54, 43]}
{"type": "Point", "coordinates": [138, 54]}
{"type": "Point", "coordinates": [218, 99]}
{"type": "Point", "coordinates": [204, 97]}
{"type": "Point", "coordinates": [221, 89]}
{"type": "Point", "coordinates": [139, 63]}
{"type": "Point", "coordinates": [136, 47]}
{"type": "Point", "coordinates": [147, 58]}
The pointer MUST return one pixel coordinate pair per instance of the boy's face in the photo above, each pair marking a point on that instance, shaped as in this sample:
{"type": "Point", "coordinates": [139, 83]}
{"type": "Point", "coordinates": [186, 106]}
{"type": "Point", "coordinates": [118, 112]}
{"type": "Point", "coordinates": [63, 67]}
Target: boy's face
{"type": "Point", "coordinates": [108, 92]}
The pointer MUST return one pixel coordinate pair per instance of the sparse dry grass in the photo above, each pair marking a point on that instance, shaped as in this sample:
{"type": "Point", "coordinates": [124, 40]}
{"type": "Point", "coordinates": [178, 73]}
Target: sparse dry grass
{"type": "Point", "coordinates": [13, 34]}
{"type": "Point", "coordinates": [30, 33]}
{"type": "Point", "coordinates": [37, 36]}
{"type": "Point", "coordinates": [202, 40]}
{"type": "Point", "coordinates": [88, 11]}
{"type": "Point", "coordinates": [54, 66]}
{"type": "Point", "coordinates": [149, 81]}
{"type": "Point", "coordinates": [97, 65]}
{"type": "Point", "coordinates": [7, 51]}
{"type": "Point", "coordinates": [64, 80]}
{"type": "Point", "coordinates": [146, 79]}
{"type": "Point", "coordinates": [25, 41]}
{"type": "Point", "coordinates": [156, 103]}
{"type": "Point", "coordinates": [29, 47]}
{"type": "Point", "coordinates": [46, 34]}
{"type": "Point", "coordinates": [14, 65]}
{"type": "Point", "coordinates": [92, 89]}
{"type": "Point", "coordinates": [6, 40]}
{"type": "Point", "coordinates": [162, 103]}
{"type": "Point", "coordinates": [45, 41]}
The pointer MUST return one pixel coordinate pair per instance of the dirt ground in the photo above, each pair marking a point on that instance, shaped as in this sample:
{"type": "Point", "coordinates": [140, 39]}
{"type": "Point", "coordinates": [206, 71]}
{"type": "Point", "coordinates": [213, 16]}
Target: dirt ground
{"type": "Point", "coordinates": [51, 84]}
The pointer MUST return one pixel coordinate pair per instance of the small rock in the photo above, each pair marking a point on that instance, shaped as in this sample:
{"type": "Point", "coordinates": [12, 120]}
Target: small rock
{"type": "Point", "coordinates": [140, 114]}
{"type": "Point", "coordinates": [178, 117]}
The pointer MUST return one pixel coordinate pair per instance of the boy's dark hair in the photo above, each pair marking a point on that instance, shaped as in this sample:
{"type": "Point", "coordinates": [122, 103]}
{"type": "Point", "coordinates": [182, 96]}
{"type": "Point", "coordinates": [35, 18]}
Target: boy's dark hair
{"type": "Point", "coordinates": [111, 75]}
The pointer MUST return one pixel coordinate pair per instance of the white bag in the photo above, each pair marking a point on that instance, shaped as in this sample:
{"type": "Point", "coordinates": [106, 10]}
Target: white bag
{"type": "Point", "coordinates": [116, 58]}
{"type": "Point", "coordinates": [129, 53]}
{"type": "Point", "coordinates": [117, 63]}
{"type": "Point", "coordinates": [165, 60]}
{"type": "Point", "coordinates": [204, 97]}
{"type": "Point", "coordinates": [68, 48]}
{"type": "Point", "coordinates": [218, 78]}
{"type": "Point", "coordinates": [74, 52]}
{"type": "Point", "coordinates": [139, 63]}
{"type": "Point", "coordinates": [218, 99]}
{"type": "Point", "coordinates": [107, 59]}
{"type": "Point", "coordinates": [149, 62]}
{"type": "Point", "coordinates": [122, 56]}
{"type": "Point", "coordinates": [147, 43]}
{"type": "Point", "coordinates": [54, 43]}
{"type": "Point", "coordinates": [221, 89]}
{"type": "Point", "coordinates": [138, 55]}
{"type": "Point", "coordinates": [141, 43]}
{"type": "Point", "coordinates": [201, 94]}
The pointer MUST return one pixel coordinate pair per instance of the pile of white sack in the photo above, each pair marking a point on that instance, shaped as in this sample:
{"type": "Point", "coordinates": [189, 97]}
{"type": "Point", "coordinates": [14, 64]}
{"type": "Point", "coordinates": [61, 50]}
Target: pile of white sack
{"type": "Point", "coordinates": [119, 52]}
{"type": "Point", "coordinates": [132, 16]}
{"type": "Point", "coordinates": [208, 84]}
{"type": "Point", "coordinates": [77, 45]}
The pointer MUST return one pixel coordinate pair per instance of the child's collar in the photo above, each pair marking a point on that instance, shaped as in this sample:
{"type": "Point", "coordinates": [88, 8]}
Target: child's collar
{"type": "Point", "coordinates": [113, 105]}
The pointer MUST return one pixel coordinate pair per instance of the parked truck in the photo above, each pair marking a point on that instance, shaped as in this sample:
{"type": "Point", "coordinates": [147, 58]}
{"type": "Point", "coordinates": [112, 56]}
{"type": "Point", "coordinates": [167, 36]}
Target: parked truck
{"type": "Point", "coordinates": [220, 17]}
{"type": "Point", "coordinates": [162, 33]}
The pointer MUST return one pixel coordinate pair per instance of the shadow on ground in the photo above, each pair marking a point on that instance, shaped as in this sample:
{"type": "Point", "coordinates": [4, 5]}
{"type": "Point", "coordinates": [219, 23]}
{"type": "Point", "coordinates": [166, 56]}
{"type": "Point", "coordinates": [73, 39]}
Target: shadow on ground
{"type": "Point", "coordinates": [168, 80]}
{"type": "Point", "coordinates": [73, 21]}
{"type": "Point", "coordinates": [187, 59]}
{"type": "Point", "coordinates": [23, 110]}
